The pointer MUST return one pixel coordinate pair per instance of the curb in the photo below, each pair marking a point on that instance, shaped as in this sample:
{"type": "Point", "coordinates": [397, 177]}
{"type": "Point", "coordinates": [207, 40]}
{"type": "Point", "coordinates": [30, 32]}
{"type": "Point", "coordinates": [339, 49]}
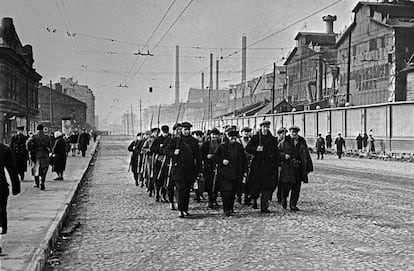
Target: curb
{"type": "Point", "coordinates": [41, 254]}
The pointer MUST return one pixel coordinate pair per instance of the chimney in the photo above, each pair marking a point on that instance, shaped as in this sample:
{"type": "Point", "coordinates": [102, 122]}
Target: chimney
{"type": "Point", "coordinates": [329, 19]}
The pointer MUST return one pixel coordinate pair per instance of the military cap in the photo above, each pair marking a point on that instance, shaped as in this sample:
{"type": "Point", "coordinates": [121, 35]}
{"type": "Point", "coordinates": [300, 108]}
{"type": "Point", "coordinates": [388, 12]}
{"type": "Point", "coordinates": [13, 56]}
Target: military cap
{"type": "Point", "coordinates": [165, 128]}
{"type": "Point", "coordinates": [214, 131]}
{"type": "Point", "coordinates": [294, 128]}
{"type": "Point", "coordinates": [186, 125]}
{"type": "Point", "coordinates": [282, 130]}
{"type": "Point", "coordinates": [265, 123]}
{"type": "Point", "coordinates": [234, 133]}
{"type": "Point", "coordinates": [246, 129]}
{"type": "Point", "coordinates": [20, 128]}
{"type": "Point", "coordinates": [177, 125]}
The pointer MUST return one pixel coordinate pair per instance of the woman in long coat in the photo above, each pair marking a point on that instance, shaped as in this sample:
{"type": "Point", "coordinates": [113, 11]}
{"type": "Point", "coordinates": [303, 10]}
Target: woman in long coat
{"type": "Point", "coordinates": [59, 156]}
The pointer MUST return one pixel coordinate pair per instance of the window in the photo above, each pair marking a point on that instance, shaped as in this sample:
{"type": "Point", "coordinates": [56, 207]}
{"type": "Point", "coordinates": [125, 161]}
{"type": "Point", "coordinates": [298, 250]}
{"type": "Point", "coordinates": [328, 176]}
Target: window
{"type": "Point", "coordinates": [372, 44]}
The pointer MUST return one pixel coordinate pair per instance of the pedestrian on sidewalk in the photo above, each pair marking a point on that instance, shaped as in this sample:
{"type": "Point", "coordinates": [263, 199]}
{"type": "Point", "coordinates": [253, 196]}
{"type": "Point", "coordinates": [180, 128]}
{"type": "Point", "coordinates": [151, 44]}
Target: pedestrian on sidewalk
{"type": "Point", "coordinates": [59, 156]}
{"type": "Point", "coordinates": [359, 141]}
{"type": "Point", "coordinates": [84, 139]}
{"type": "Point", "coordinates": [371, 144]}
{"type": "Point", "coordinates": [73, 141]}
{"type": "Point", "coordinates": [339, 142]}
{"type": "Point", "coordinates": [328, 139]}
{"type": "Point", "coordinates": [320, 147]}
{"type": "Point", "coordinates": [365, 141]}
{"type": "Point", "coordinates": [296, 165]}
{"type": "Point", "coordinates": [39, 147]}
{"type": "Point", "coordinates": [6, 162]}
{"type": "Point", "coordinates": [18, 146]}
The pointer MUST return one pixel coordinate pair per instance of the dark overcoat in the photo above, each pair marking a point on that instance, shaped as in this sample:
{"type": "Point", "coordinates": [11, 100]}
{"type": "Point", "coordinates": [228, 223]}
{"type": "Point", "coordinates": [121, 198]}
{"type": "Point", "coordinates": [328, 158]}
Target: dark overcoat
{"type": "Point", "coordinates": [84, 139]}
{"type": "Point", "coordinates": [359, 141]}
{"type": "Point", "coordinates": [289, 173]}
{"type": "Point", "coordinates": [208, 165]}
{"type": "Point", "coordinates": [7, 162]}
{"type": "Point", "coordinates": [339, 142]}
{"type": "Point", "coordinates": [18, 146]}
{"type": "Point", "coordinates": [264, 165]}
{"type": "Point", "coordinates": [135, 148]}
{"type": "Point", "coordinates": [59, 155]}
{"type": "Point", "coordinates": [229, 177]}
{"type": "Point", "coordinates": [320, 145]}
{"type": "Point", "coordinates": [186, 165]}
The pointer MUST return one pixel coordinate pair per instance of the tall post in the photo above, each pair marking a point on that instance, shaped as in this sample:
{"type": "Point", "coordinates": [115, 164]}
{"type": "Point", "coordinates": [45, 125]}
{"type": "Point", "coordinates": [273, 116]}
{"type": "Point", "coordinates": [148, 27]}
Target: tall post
{"type": "Point", "coordinates": [217, 79]}
{"type": "Point", "coordinates": [127, 122]}
{"type": "Point", "coordinates": [140, 116]}
{"type": "Point", "coordinates": [50, 105]}
{"type": "Point", "coordinates": [244, 53]}
{"type": "Point", "coordinates": [273, 88]}
{"type": "Point", "coordinates": [210, 87]}
{"type": "Point", "coordinates": [132, 122]}
{"type": "Point", "coordinates": [177, 75]}
{"type": "Point", "coordinates": [202, 81]}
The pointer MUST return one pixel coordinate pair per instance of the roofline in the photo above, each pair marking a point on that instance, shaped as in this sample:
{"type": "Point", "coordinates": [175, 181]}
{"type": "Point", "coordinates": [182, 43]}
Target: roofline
{"type": "Point", "coordinates": [345, 34]}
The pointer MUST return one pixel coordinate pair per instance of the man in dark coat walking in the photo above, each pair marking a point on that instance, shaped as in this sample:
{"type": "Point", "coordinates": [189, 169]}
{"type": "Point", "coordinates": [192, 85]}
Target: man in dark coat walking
{"type": "Point", "coordinates": [39, 147]}
{"type": "Point", "coordinates": [264, 167]}
{"type": "Point", "coordinates": [136, 157]}
{"type": "Point", "coordinates": [185, 167]}
{"type": "Point", "coordinates": [296, 164]}
{"type": "Point", "coordinates": [232, 166]}
{"type": "Point", "coordinates": [281, 134]}
{"type": "Point", "coordinates": [160, 164]}
{"type": "Point", "coordinates": [6, 162]}
{"type": "Point", "coordinates": [84, 139]}
{"type": "Point", "coordinates": [18, 146]}
{"type": "Point", "coordinates": [207, 149]}
{"type": "Point", "coordinates": [339, 142]}
{"type": "Point", "coordinates": [320, 147]}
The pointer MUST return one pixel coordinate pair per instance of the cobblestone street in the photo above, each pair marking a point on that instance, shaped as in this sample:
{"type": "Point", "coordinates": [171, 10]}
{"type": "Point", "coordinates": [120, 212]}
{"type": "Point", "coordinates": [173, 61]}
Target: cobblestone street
{"type": "Point", "coordinates": [356, 214]}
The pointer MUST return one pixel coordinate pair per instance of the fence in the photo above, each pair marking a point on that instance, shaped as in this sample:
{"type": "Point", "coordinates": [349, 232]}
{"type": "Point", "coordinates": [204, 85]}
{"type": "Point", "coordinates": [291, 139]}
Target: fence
{"type": "Point", "coordinates": [392, 124]}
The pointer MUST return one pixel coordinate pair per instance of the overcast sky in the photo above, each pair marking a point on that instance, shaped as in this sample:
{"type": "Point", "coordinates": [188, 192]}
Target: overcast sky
{"type": "Point", "coordinates": [94, 42]}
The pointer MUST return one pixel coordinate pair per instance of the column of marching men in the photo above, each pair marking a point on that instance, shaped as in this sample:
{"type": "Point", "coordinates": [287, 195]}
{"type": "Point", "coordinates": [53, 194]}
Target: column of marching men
{"type": "Point", "coordinates": [244, 167]}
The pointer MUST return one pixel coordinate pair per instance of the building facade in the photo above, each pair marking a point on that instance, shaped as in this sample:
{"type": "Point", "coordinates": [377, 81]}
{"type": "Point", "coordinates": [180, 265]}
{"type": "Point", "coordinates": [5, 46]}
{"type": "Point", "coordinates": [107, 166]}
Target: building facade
{"type": "Point", "coordinates": [18, 83]}
{"type": "Point", "coordinates": [55, 106]}
{"type": "Point", "coordinates": [374, 50]}
{"type": "Point", "coordinates": [81, 92]}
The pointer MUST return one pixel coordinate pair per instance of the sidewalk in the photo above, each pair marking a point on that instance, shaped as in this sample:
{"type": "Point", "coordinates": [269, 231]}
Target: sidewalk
{"type": "Point", "coordinates": [35, 217]}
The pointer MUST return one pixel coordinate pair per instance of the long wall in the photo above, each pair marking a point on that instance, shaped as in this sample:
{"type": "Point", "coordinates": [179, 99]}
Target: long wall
{"type": "Point", "coordinates": [392, 124]}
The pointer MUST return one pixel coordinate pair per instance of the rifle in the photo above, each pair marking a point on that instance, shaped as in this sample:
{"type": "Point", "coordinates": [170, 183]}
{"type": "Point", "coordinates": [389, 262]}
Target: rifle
{"type": "Point", "coordinates": [159, 111]}
{"type": "Point", "coordinates": [215, 177]}
{"type": "Point", "coordinates": [169, 172]}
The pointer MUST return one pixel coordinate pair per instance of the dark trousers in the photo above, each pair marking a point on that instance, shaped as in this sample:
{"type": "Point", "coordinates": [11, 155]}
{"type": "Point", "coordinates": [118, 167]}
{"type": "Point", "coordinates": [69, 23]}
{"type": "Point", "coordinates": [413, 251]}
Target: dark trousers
{"type": "Point", "coordinates": [83, 153]}
{"type": "Point", "coordinates": [170, 191]}
{"type": "Point", "coordinates": [319, 153]}
{"type": "Point", "coordinates": [228, 200]}
{"type": "Point", "coordinates": [294, 189]}
{"type": "Point", "coordinates": [3, 213]}
{"type": "Point", "coordinates": [183, 195]}
{"type": "Point", "coordinates": [264, 199]}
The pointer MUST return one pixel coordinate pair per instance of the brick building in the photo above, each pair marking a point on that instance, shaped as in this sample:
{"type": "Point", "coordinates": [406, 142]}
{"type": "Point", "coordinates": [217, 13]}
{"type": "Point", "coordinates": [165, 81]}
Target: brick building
{"type": "Point", "coordinates": [80, 92]}
{"type": "Point", "coordinates": [58, 106]}
{"type": "Point", "coordinates": [381, 40]}
{"type": "Point", "coordinates": [310, 65]}
{"type": "Point", "coordinates": [18, 83]}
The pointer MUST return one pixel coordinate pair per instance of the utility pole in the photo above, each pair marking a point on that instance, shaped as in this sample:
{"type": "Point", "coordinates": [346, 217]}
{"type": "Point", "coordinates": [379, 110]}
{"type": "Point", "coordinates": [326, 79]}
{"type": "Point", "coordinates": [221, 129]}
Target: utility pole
{"type": "Point", "coordinates": [132, 122]}
{"type": "Point", "coordinates": [127, 121]}
{"type": "Point", "coordinates": [273, 88]}
{"type": "Point", "coordinates": [140, 116]}
{"type": "Point", "coordinates": [211, 86]}
{"type": "Point", "coordinates": [217, 78]}
{"type": "Point", "coordinates": [50, 105]}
